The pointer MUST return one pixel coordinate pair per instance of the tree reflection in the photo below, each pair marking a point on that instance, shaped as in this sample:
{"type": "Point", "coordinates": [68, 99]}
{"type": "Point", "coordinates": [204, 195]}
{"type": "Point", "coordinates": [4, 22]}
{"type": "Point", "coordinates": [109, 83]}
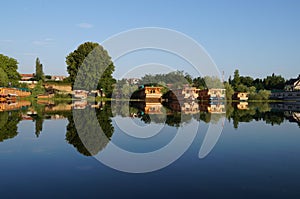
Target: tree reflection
{"type": "Point", "coordinates": [9, 124]}
{"type": "Point", "coordinates": [255, 111]}
{"type": "Point", "coordinates": [91, 140]}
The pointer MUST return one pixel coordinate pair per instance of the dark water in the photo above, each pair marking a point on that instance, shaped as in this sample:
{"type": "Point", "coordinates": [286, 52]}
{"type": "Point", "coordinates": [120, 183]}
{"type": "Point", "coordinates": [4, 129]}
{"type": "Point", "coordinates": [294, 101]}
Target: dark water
{"type": "Point", "coordinates": [257, 155]}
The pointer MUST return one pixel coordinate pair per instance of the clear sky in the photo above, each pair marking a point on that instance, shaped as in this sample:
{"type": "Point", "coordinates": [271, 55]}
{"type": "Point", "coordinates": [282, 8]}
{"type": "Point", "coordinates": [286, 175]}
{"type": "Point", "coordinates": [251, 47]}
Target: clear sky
{"type": "Point", "coordinates": [258, 37]}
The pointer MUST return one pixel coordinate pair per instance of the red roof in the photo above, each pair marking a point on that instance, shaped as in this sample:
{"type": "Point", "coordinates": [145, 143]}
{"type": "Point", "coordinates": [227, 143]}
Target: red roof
{"type": "Point", "coordinates": [27, 75]}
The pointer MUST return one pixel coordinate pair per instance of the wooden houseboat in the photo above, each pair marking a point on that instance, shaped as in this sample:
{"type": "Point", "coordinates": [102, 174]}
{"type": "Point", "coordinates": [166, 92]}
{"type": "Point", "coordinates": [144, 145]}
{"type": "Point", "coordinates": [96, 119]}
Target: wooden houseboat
{"type": "Point", "coordinates": [211, 94]}
{"type": "Point", "coordinates": [184, 107]}
{"type": "Point", "coordinates": [13, 93]}
{"type": "Point", "coordinates": [286, 95]}
{"type": "Point", "coordinates": [148, 93]}
{"type": "Point", "coordinates": [242, 96]}
{"type": "Point", "coordinates": [80, 94]}
{"type": "Point", "coordinates": [212, 107]}
{"type": "Point", "coordinates": [184, 94]}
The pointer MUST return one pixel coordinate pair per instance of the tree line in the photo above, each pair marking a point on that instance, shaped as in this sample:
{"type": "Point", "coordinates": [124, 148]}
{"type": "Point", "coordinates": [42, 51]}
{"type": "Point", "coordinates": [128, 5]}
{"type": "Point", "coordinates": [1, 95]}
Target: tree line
{"type": "Point", "coordinates": [90, 67]}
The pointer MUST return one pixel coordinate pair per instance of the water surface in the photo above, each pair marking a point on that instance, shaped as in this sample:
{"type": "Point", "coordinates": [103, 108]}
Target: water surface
{"type": "Point", "coordinates": [257, 155]}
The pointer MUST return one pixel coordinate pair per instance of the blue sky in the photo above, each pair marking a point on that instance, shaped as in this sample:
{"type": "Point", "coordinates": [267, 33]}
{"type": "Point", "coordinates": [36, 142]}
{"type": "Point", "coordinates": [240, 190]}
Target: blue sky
{"type": "Point", "coordinates": [257, 37]}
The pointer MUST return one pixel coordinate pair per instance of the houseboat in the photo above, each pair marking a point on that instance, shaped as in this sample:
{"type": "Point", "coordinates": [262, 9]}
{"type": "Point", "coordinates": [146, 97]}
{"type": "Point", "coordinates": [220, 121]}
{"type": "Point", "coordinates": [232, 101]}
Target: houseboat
{"type": "Point", "coordinates": [185, 107]}
{"type": "Point", "coordinates": [293, 84]}
{"type": "Point", "coordinates": [14, 92]}
{"type": "Point", "coordinates": [286, 95]}
{"type": "Point", "coordinates": [148, 93]}
{"type": "Point", "coordinates": [241, 105]}
{"type": "Point", "coordinates": [212, 108]}
{"type": "Point", "coordinates": [291, 91]}
{"type": "Point", "coordinates": [184, 94]}
{"type": "Point", "coordinates": [242, 96]}
{"type": "Point", "coordinates": [80, 94]}
{"type": "Point", "coordinates": [211, 94]}
{"type": "Point", "coordinates": [14, 106]}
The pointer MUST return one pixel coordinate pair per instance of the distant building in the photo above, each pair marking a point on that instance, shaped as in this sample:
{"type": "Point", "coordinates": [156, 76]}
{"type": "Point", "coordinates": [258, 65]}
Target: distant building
{"type": "Point", "coordinates": [242, 96]}
{"type": "Point", "coordinates": [153, 108]}
{"type": "Point", "coordinates": [186, 93]}
{"type": "Point", "coordinates": [211, 94]}
{"type": "Point", "coordinates": [57, 78]}
{"type": "Point", "coordinates": [27, 77]}
{"type": "Point", "coordinates": [189, 107]}
{"type": "Point", "coordinates": [152, 93]}
{"type": "Point", "coordinates": [133, 81]}
{"type": "Point", "coordinates": [293, 84]}
{"type": "Point", "coordinates": [212, 107]}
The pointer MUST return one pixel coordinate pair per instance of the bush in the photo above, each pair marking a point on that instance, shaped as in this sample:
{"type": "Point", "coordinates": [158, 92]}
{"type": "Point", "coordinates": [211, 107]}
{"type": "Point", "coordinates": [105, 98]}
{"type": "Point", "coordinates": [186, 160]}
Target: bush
{"type": "Point", "coordinates": [38, 89]}
{"type": "Point", "coordinates": [261, 95]}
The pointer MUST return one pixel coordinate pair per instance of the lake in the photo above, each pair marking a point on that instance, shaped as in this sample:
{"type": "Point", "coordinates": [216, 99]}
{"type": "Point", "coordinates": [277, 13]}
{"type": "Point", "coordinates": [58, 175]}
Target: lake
{"type": "Point", "coordinates": [149, 150]}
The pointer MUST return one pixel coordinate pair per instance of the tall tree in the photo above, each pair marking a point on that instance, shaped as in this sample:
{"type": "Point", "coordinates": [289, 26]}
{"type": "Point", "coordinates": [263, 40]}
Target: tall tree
{"type": "Point", "coordinates": [39, 74]}
{"type": "Point", "coordinates": [95, 66]}
{"type": "Point", "coordinates": [236, 79]}
{"type": "Point", "coordinates": [9, 67]}
{"type": "Point", "coordinates": [3, 78]}
{"type": "Point", "coordinates": [274, 82]}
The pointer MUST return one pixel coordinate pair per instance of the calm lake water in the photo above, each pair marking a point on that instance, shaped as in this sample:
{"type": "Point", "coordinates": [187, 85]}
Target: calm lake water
{"type": "Point", "coordinates": [257, 154]}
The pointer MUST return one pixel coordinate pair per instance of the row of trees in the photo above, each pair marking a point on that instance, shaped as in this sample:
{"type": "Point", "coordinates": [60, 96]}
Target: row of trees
{"type": "Point", "coordinates": [90, 67]}
{"type": "Point", "coordinates": [241, 83]}
{"type": "Point", "coordinates": [9, 75]}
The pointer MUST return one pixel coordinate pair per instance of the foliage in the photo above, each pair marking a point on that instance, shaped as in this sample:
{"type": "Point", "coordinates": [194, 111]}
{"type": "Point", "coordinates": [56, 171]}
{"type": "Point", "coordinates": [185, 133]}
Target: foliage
{"type": "Point", "coordinates": [261, 95]}
{"type": "Point", "coordinates": [38, 89]}
{"type": "Point", "coordinates": [243, 83]}
{"type": "Point", "coordinates": [9, 67]}
{"type": "Point", "coordinates": [229, 91]}
{"type": "Point", "coordinates": [207, 82]}
{"type": "Point", "coordinates": [39, 74]}
{"type": "Point", "coordinates": [39, 117]}
{"type": "Point", "coordinates": [95, 66]}
{"type": "Point", "coordinates": [236, 80]}
{"type": "Point", "coordinates": [48, 77]}
{"type": "Point", "coordinates": [62, 95]}
{"type": "Point", "coordinates": [199, 82]}
{"type": "Point", "coordinates": [9, 124]}
{"type": "Point", "coordinates": [213, 82]}
{"type": "Point", "coordinates": [247, 81]}
{"type": "Point", "coordinates": [274, 82]}
{"type": "Point", "coordinates": [3, 78]}
{"type": "Point", "coordinates": [175, 79]}
{"type": "Point", "coordinates": [91, 140]}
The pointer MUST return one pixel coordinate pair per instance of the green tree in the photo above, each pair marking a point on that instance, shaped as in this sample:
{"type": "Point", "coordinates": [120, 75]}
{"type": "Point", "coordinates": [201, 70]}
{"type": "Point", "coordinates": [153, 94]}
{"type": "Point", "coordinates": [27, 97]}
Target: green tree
{"type": "Point", "coordinates": [3, 78]}
{"type": "Point", "coordinates": [213, 82]}
{"type": "Point", "coordinates": [236, 79]}
{"type": "Point", "coordinates": [38, 89]}
{"type": "Point", "coordinates": [247, 81]}
{"type": "Point", "coordinates": [9, 124]}
{"type": "Point", "coordinates": [274, 82]}
{"type": "Point", "coordinates": [229, 91]}
{"type": "Point", "coordinates": [188, 78]}
{"type": "Point", "coordinates": [258, 83]}
{"type": "Point", "coordinates": [199, 82]}
{"type": "Point", "coordinates": [91, 139]}
{"type": "Point", "coordinates": [39, 74]}
{"type": "Point", "coordinates": [95, 65]}
{"type": "Point", "coordinates": [9, 67]}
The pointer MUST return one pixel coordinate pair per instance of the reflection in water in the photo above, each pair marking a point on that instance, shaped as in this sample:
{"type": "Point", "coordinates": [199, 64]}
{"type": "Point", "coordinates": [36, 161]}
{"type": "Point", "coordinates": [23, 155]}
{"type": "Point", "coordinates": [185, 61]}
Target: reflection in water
{"type": "Point", "coordinates": [173, 114]}
{"type": "Point", "coordinates": [89, 141]}
{"type": "Point", "coordinates": [8, 124]}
